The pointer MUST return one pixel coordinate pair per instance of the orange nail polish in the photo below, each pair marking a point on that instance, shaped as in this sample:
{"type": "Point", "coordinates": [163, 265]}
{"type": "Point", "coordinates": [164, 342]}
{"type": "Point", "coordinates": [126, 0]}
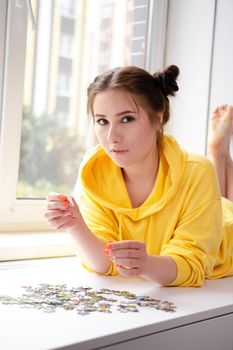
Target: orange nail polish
{"type": "Point", "coordinates": [62, 198]}
{"type": "Point", "coordinates": [106, 251]}
{"type": "Point", "coordinates": [109, 246]}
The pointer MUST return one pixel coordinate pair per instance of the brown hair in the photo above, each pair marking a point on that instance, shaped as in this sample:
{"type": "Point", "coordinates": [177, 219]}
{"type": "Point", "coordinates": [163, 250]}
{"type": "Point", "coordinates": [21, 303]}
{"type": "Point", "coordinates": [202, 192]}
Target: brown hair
{"type": "Point", "coordinates": [153, 89]}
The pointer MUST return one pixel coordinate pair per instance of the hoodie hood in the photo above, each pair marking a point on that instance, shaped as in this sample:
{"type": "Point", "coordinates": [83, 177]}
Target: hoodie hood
{"type": "Point", "coordinates": [102, 180]}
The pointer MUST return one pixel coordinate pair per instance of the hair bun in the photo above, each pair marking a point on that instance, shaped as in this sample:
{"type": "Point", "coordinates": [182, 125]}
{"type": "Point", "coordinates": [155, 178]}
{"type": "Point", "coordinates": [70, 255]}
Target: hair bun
{"type": "Point", "coordinates": [167, 80]}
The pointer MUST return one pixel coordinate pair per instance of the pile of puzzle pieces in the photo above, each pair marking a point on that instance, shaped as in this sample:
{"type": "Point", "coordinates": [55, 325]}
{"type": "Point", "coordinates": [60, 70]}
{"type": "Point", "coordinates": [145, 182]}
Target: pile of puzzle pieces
{"type": "Point", "coordinates": [84, 300]}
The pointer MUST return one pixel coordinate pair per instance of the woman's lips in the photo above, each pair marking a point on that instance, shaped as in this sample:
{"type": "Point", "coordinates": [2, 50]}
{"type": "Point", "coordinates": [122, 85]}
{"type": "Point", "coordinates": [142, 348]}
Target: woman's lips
{"type": "Point", "coordinates": [119, 151]}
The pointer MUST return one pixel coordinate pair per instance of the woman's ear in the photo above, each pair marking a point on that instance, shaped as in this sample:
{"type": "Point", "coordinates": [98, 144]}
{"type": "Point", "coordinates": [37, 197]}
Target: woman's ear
{"type": "Point", "coordinates": [160, 118]}
{"type": "Point", "coordinates": [159, 122]}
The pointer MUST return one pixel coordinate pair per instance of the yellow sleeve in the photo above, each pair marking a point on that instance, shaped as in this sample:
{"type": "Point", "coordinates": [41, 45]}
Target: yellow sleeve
{"type": "Point", "coordinates": [198, 234]}
{"type": "Point", "coordinates": [195, 244]}
{"type": "Point", "coordinates": [100, 220]}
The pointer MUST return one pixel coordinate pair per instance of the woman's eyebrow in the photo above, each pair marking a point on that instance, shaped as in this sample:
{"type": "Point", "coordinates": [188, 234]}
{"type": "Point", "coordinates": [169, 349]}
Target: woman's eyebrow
{"type": "Point", "coordinates": [117, 115]}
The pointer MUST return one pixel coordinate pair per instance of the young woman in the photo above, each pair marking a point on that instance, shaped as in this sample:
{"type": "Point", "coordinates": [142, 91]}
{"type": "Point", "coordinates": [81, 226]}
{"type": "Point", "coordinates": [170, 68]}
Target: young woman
{"type": "Point", "coordinates": [152, 208]}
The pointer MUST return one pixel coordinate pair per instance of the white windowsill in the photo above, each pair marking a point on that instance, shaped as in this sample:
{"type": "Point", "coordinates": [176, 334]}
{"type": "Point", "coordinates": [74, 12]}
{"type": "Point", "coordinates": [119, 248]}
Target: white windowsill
{"type": "Point", "coordinates": [33, 245]}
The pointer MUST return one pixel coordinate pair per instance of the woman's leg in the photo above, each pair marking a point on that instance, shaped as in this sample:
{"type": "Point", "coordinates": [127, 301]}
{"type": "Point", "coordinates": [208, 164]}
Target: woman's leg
{"type": "Point", "coordinates": [220, 132]}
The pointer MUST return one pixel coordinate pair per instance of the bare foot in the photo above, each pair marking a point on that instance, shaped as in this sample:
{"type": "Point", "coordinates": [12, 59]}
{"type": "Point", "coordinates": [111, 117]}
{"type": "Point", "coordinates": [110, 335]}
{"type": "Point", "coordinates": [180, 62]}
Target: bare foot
{"type": "Point", "coordinates": [220, 130]}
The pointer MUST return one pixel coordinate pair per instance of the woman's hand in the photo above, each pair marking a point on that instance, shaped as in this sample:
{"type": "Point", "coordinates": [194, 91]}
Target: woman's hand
{"type": "Point", "coordinates": [62, 212]}
{"type": "Point", "coordinates": [132, 259]}
{"type": "Point", "coordinates": [129, 256]}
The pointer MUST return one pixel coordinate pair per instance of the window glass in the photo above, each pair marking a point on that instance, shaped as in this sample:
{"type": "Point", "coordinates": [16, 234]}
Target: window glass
{"type": "Point", "coordinates": [73, 42]}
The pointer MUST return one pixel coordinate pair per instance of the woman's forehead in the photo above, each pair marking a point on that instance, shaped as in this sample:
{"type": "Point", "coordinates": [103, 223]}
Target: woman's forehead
{"type": "Point", "coordinates": [117, 100]}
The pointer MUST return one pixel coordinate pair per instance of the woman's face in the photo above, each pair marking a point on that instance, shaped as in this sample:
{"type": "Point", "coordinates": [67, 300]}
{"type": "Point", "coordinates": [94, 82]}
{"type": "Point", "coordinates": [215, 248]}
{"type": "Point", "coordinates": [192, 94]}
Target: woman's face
{"type": "Point", "coordinates": [123, 129]}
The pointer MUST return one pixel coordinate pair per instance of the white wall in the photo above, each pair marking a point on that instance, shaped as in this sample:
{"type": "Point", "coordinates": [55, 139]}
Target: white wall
{"type": "Point", "coordinates": [222, 72]}
{"type": "Point", "coordinates": [189, 46]}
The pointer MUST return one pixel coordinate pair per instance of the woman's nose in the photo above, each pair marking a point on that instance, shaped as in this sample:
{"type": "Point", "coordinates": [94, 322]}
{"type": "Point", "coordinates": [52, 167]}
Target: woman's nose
{"type": "Point", "coordinates": [114, 135]}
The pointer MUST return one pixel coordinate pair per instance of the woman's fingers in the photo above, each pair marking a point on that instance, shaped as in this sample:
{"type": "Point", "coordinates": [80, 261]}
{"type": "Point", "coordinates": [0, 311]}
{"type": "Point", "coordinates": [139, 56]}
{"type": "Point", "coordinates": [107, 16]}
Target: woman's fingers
{"type": "Point", "coordinates": [55, 205]}
{"type": "Point", "coordinates": [127, 244]}
{"type": "Point", "coordinates": [126, 253]}
{"type": "Point", "coordinates": [62, 212]}
{"type": "Point", "coordinates": [132, 263]}
{"type": "Point", "coordinates": [129, 256]}
{"type": "Point", "coordinates": [58, 222]}
{"type": "Point", "coordinates": [126, 249]}
{"type": "Point", "coordinates": [57, 201]}
{"type": "Point", "coordinates": [52, 214]}
{"type": "Point", "coordinates": [130, 272]}
{"type": "Point", "coordinates": [57, 209]}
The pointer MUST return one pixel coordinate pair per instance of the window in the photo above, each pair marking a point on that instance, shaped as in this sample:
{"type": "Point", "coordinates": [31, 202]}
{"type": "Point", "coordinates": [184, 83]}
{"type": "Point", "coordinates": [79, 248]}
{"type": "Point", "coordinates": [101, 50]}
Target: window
{"type": "Point", "coordinates": [2, 43]}
{"type": "Point", "coordinates": [45, 128]}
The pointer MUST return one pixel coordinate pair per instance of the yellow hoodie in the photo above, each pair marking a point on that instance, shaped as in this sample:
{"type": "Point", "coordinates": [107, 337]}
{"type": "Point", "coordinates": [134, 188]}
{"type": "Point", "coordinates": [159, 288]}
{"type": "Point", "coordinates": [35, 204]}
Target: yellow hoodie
{"type": "Point", "coordinates": [182, 217]}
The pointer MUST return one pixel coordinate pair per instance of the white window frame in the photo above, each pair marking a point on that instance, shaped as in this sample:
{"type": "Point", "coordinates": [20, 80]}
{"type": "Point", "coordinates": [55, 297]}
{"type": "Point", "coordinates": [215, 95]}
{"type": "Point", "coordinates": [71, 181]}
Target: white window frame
{"type": "Point", "coordinates": [14, 214]}
{"type": "Point", "coordinates": [156, 31]}
{"type": "Point", "coordinates": [2, 42]}
{"type": "Point", "coordinates": [27, 215]}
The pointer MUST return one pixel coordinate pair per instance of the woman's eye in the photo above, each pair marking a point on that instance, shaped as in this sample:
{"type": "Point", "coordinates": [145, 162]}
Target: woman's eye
{"type": "Point", "coordinates": [127, 119]}
{"type": "Point", "coordinates": [102, 121]}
